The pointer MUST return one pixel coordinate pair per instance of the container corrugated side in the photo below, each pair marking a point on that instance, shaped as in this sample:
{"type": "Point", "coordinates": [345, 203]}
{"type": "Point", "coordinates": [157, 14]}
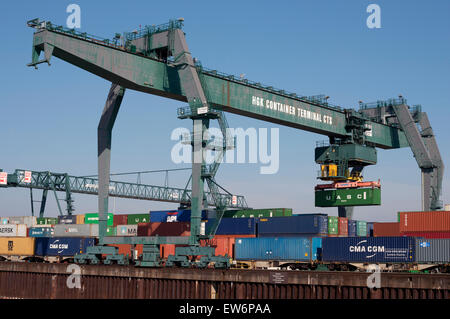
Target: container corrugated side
{"type": "Point", "coordinates": [47, 221]}
{"type": "Point", "coordinates": [361, 228]}
{"type": "Point", "coordinates": [352, 228]}
{"type": "Point", "coordinates": [134, 219]}
{"type": "Point", "coordinates": [126, 230]}
{"type": "Point", "coordinates": [13, 230]}
{"type": "Point", "coordinates": [84, 230]}
{"type": "Point", "coordinates": [120, 219]}
{"type": "Point", "coordinates": [369, 229]}
{"type": "Point", "coordinates": [333, 225]}
{"type": "Point", "coordinates": [293, 226]}
{"type": "Point", "coordinates": [17, 246]}
{"type": "Point", "coordinates": [182, 215]}
{"type": "Point", "coordinates": [80, 219]}
{"type": "Point", "coordinates": [67, 219]}
{"type": "Point", "coordinates": [433, 221]}
{"type": "Point", "coordinates": [369, 249]}
{"type": "Point", "coordinates": [432, 250]}
{"type": "Point", "coordinates": [41, 232]}
{"type": "Point", "coordinates": [386, 229]}
{"type": "Point", "coordinates": [258, 213]}
{"type": "Point", "coordinates": [30, 221]}
{"type": "Point", "coordinates": [62, 246]}
{"type": "Point", "coordinates": [343, 226]}
{"type": "Point", "coordinates": [427, 234]}
{"type": "Point", "coordinates": [92, 218]}
{"type": "Point", "coordinates": [281, 248]}
{"type": "Point", "coordinates": [233, 226]}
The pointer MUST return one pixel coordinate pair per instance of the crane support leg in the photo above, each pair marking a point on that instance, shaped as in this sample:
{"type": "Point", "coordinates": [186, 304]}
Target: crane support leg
{"type": "Point", "coordinates": [426, 152]}
{"type": "Point", "coordinates": [104, 133]}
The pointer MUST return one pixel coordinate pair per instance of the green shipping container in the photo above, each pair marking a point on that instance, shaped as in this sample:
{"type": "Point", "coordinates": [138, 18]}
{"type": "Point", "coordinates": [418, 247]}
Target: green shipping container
{"type": "Point", "coordinates": [47, 221]}
{"type": "Point", "coordinates": [348, 197]}
{"type": "Point", "coordinates": [138, 218]}
{"type": "Point", "coordinates": [92, 218]}
{"type": "Point", "coordinates": [361, 228]}
{"type": "Point", "coordinates": [265, 212]}
{"type": "Point", "coordinates": [333, 225]}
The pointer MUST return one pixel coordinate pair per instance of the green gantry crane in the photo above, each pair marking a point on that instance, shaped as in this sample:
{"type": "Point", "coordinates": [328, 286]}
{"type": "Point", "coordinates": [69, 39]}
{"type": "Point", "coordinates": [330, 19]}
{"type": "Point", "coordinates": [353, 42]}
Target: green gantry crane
{"type": "Point", "coordinates": [156, 60]}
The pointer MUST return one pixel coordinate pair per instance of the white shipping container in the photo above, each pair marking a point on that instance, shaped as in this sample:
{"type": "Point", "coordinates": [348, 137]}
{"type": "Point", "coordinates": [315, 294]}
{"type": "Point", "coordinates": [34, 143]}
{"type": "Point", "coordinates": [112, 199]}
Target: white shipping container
{"type": "Point", "coordinates": [126, 230]}
{"type": "Point", "coordinates": [76, 230]}
{"type": "Point", "coordinates": [16, 220]}
{"type": "Point", "coordinates": [30, 221]}
{"type": "Point", "coordinates": [9, 230]}
{"type": "Point", "coordinates": [13, 230]}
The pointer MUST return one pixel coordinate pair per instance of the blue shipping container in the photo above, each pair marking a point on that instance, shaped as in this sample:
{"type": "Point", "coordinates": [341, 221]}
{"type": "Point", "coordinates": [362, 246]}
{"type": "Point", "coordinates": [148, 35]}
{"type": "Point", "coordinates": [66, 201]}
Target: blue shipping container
{"type": "Point", "coordinates": [182, 215]}
{"type": "Point", "coordinates": [233, 226]}
{"type": "Point", "coordinates": [277, 248]}
{"type": "Point", "coordinates": [299, 225]}
{"type": "Point", "coordinates": [67, 219]}
{"type": "Point", "coordinates": [351, 228]}
{"type": "Point", "coordinates": [40, 232]}
{"type": "Point", "coordinates": [369, 249]}
{"type": "Point", "coordinates": [369, 229]}
{"type": "Point", "coordinates": [62, 246]}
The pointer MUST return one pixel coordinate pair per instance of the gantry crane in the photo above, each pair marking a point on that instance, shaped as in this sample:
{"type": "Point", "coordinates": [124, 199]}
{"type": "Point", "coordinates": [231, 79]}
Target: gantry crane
{"type": "Point", "coordinates": [156, 60]}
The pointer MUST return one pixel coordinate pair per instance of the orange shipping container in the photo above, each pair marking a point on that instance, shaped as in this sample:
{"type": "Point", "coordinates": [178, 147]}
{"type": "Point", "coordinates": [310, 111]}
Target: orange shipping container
{"type": "Point", "coordinates": [386, 230]}
{"type": "Point", "coordinates": [434, 221]}
{"type": "Point", "coordinates": [343, 226]}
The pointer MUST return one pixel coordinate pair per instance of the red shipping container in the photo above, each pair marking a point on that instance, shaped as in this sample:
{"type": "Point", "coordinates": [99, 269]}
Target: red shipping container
{"type": "Point", "coordinates": [120, 220]}
{"type": "Point", "coordinates": [144, 229]}
{"type": "Point", "coordinates": [386, 230]}
{"type": "Point", "coordinates": [225, 244]}
{"type": "Point", "coordinates": [166, 249]}
{"type": "Point", "coordinates": [343, 226]}
{"type": "Point", "coordinates": [170, 229]}
{"type": "Point", "coordinates": [428, 235]}
{"type": "Point", "coordinates": [434, 221]}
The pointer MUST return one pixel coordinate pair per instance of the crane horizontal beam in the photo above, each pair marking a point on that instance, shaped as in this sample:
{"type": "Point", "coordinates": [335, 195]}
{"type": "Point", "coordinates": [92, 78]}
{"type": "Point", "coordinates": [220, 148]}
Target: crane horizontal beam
{"type": "Point", "coordinates": [136, 71]}
{"type": "Point", "coordinates": [89, 185]}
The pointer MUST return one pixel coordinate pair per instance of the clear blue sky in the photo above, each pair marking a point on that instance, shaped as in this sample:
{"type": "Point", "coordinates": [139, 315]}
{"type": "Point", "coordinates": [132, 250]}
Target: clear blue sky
{"type": "Point", "coordinates": [49, 116]}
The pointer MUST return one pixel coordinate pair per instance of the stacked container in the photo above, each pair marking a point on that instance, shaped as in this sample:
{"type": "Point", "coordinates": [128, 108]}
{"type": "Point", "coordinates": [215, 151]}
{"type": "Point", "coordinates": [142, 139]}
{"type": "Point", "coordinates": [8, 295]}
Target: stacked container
{"type": "Point", "coordinates": [361, 228]}
{"type": "Point", "coordinates": [17, 246]}
{"type": "Point", "coordinates": [352, 228]}
{"type": "Point", "coordinates": [386, 230]}
{"type": "Point", "coordinates": [126, 230]}
{"type": "Point", "coordinates": [434, 224]}
{"type": "Point", "coordinates": [258, 213]}
{"type": "Point", "coordinates": [13, 230]}
{"type": "Point", "coordinates": [233, 226]}
{"type": "Point", "coordinates": [85, 230]}
{"type": "Point", "coordinates": [333, 226]}
{"type": "Point", "coordinates": [67, 219]}
{"type": "Point", "coordinates": [46, 221]}
{"type": "Point", "coordinates": [432, 250]}
{"type": "Point", "coordinates": [182, 215]}
{"type": "Point", "coordinates": [29, 221]}
{"type": "Point", "coordinates": [295, 226]}
{"type": "Point", "coordinates": [62, 246]}
{"type": "Point", "coordinates": [41, 232]}
{"type": "Point", "coordinates": [134, 219]}
{"type": "Point", "coordinates": [343, 227]}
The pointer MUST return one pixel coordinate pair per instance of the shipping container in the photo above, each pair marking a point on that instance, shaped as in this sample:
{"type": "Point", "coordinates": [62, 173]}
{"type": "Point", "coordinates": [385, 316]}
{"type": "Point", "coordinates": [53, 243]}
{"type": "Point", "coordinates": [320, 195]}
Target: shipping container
{"type": "Point", "coordinates": [351, 228]}
{"type": "Point", "coordinates": [164, 229]}
{"type": "Point", "coordinates": [4, 220]}
{"type": "Point", "coordinates": [433, 250]}
{"type": "Point", "coordinates": [62, 246]}
{"type": "Point", "coordinates": [17, 246]}
{"type": "Point", "coordinates": [369, 229]}
{"type": "Point", "coordinates": [441, 235]}
{"type": "Point", "coordinates": [121, 219]}
{"type": "Point", "coordinates": [386, 230]}
{"type": "Point", "coordinates": [41, 232]}
{"type": "Point", "coordinates": [124, 249]}
{"type": "Point", "coordinates": [84, 230]}
{"type": "Point", "coordinates": [258, 213]}
{"type": "Point", "coordinates": [92, 218]}
{"type": "Point", "coordinates": [368, 250]}
{"type": "Point", "coordinates": [348, 197]}
{"type": "Point", "coordinates": [275, 248]}
{"type": "Point", "coordinates": [333, 225]}
{"type": "Point", "coordinates": [47, 221]}
{"type": "Point", "coordinates": [126, 230]}
{"type": "Point", "coordinates": [67, 219]}
{"type": "Point", "coordinates": [134, 219]}
{"type": "Point", "coordinates": [29, 221]}
{"type": "Point", "coordinates": [295, 226]}
{"type": "Point", "coordinates": [182, 215]}
{"type": "Point", "coordinates": [80, 219]}
{"type": "Point", "coordinates": [110, 231]}
{"type": "Point", "coordinates": [233, 226]}
{"type": "Point", "coordinates": [13, 230]}
{"type": "Point", "coordinates": [434, 221]}
{"type": "Point", "coordinates": [361, 228]}
{"type": "Point", "coordinates": [343, 226]}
